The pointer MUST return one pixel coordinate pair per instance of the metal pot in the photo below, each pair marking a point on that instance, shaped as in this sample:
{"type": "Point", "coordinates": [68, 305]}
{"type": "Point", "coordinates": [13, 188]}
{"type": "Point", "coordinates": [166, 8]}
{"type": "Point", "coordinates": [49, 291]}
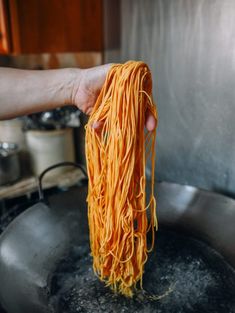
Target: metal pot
{"type": "Point", "coordinates": [9, 163]}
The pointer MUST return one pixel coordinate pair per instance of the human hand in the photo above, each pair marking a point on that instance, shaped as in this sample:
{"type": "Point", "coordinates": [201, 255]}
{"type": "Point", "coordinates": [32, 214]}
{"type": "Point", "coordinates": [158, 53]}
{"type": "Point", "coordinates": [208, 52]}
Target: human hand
{"type": "Point", "coordinates": [86, 88]}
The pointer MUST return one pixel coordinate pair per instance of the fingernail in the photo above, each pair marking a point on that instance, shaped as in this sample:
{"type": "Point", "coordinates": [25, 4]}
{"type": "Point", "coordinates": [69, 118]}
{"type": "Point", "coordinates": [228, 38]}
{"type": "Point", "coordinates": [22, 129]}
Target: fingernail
{"type": "Point", "coordinates": [151, 123]}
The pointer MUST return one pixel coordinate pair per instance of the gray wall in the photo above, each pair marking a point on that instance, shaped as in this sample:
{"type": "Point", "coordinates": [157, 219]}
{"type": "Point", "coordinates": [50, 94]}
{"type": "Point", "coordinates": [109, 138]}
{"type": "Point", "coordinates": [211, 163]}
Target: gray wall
{"type": "Point", "coordinates": [190, 48]}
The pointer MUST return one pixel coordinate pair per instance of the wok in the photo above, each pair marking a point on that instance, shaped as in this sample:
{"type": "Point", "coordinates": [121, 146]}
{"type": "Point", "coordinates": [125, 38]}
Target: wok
{"type": "Point", "coordinates": [45, 265]}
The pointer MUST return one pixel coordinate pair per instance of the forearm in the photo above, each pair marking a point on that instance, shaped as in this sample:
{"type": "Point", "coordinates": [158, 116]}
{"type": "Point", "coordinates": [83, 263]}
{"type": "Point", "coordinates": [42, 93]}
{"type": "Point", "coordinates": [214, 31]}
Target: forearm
{"type": "Point", "coordinates": [28, 91]}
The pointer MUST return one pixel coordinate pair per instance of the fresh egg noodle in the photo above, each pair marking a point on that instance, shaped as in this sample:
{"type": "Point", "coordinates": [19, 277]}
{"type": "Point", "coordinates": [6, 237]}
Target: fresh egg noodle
{"type": "Point", "coordinates": [116, 159]}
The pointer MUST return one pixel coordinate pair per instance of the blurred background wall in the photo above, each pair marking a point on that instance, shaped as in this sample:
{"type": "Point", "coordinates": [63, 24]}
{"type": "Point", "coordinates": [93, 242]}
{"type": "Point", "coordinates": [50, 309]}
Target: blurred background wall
{"type": "Point", "coordinates": [189, 47]}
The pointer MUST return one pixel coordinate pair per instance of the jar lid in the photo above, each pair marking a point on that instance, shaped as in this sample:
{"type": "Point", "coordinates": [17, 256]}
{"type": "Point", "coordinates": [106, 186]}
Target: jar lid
{"type": "Point", "coordinates": [8, 148]}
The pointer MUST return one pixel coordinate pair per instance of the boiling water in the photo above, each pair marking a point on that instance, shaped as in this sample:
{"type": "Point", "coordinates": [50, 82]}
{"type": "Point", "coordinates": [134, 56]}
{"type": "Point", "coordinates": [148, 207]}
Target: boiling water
{"type": "Point", "coordinates": [181, 275]}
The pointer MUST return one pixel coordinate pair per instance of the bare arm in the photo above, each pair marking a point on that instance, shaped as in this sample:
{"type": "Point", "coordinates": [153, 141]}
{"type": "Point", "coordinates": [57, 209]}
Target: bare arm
{"type": "Point", "coordinates": [24, 92]}
{"type": "Point", "coordinates": [28, 91]}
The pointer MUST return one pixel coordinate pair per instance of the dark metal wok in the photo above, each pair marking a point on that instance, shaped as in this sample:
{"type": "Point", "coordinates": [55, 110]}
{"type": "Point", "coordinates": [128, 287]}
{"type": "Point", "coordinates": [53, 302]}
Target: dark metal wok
{"type": "Point", "coordinates": [45, 264]}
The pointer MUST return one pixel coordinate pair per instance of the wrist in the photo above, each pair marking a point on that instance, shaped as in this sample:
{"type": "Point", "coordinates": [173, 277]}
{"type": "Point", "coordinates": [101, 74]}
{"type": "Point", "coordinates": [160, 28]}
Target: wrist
{"type": "Point", "coordinates": [70, 82]}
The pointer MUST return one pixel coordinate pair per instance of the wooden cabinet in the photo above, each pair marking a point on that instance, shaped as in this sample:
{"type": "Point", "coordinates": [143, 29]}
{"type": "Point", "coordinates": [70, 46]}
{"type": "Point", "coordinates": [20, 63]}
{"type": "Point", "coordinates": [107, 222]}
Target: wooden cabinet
{"type": "Point", "coordinates": [4, 28]}
{"type": "Point", "coordinates": [37, 26]}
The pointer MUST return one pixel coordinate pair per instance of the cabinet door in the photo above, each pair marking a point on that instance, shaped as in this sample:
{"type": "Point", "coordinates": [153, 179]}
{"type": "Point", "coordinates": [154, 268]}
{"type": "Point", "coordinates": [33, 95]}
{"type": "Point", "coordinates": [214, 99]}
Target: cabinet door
{"type": "Point", "coordinates": [39, 26]}
{"type": "Point", "coordinates": [4, 28]}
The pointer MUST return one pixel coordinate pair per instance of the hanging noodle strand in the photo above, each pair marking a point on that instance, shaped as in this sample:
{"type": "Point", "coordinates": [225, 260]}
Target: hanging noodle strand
{"type": "Point", "coordinates": [116, 160]}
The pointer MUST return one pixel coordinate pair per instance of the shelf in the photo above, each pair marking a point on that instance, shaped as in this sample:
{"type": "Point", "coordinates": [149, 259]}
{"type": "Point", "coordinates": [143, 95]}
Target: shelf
{"type": "Point", "coordinates": [30, 184]}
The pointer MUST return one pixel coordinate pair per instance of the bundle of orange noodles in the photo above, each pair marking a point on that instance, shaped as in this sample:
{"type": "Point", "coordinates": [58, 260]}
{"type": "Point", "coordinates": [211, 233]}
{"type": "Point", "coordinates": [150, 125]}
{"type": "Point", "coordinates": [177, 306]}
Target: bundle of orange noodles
{"type": "Point", "coordinates": [116, 158]}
